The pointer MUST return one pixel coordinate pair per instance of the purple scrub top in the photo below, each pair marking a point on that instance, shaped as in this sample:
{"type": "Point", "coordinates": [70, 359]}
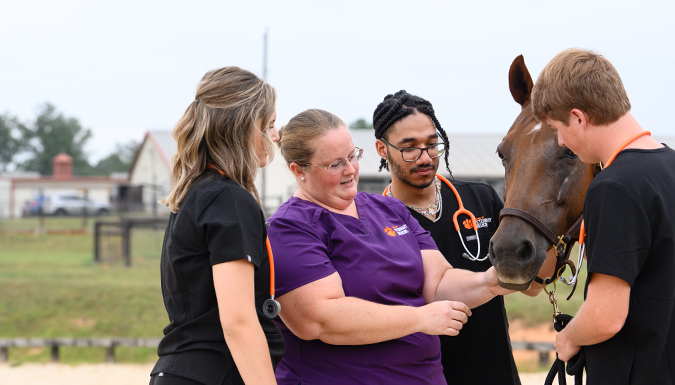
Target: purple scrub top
{"type": "Point", "coordinates": [378, 258]}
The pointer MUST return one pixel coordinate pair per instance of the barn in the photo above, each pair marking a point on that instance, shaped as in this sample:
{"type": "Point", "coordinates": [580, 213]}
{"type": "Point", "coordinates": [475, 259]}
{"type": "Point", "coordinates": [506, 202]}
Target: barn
{"type": "Point", "coordinates": [472, 157]}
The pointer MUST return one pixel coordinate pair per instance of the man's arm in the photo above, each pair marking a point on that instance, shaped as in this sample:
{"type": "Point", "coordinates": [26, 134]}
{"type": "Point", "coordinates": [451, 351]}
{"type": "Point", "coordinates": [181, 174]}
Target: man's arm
{"type": "Point", "coordinates": [600, 317]}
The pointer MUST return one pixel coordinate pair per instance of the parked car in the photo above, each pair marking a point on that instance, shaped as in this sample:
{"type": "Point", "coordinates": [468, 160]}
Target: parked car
{"type": "Point", "coordinates": [73, 204]}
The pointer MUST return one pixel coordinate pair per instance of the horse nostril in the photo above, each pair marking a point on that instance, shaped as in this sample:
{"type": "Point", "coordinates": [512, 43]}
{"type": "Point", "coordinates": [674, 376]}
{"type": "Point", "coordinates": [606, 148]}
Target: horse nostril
{"type": "Point", "coordinates": [525, 251]}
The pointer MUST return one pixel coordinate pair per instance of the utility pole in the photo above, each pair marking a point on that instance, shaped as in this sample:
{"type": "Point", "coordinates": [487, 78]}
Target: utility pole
{"type": "Point", "coordinates": [265, 56]}
{"type": "Point", "coordinates": [264, 172]}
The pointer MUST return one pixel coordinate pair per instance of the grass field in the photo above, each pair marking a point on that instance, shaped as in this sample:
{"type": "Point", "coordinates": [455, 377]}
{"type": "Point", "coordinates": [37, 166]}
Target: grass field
{"type": "Point", "coordinates": [50, 287]}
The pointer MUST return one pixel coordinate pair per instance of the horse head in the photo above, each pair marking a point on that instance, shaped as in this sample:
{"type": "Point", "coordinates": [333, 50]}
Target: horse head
{"type": "Point", "coordinates": [541, 178]}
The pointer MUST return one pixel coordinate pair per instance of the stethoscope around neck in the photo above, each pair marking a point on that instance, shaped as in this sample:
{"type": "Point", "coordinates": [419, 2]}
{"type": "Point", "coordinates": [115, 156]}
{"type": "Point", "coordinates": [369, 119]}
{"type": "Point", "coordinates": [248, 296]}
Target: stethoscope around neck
{"type": "Point", "coordinates": [468, 255]}
{"type": "Point", "coordinates": [270, 307]}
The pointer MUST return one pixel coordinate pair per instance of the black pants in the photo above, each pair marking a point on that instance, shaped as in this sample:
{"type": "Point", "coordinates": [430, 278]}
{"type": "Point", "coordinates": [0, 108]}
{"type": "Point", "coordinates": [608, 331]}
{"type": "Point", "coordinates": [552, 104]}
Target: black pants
{"type": "Point", "coordinates": [169, 379]}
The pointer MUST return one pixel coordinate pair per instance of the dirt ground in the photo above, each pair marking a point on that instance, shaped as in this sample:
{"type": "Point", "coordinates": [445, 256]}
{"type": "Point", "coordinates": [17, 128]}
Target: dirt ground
{"type": "Point", "coordinates": [130, 374]}
{"type": "Point", "coordinates": [541, 333]}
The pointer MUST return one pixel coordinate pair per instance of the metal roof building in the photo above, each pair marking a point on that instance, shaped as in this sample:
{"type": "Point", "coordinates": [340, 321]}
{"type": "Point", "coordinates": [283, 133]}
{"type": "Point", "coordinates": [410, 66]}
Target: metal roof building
{"type": "Point", "coordinates": [471, 157]}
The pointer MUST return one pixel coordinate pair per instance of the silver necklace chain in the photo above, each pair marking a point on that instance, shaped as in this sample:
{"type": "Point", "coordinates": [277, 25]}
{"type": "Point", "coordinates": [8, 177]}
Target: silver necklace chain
{"type": "Point", "coordinates": [434, 207]}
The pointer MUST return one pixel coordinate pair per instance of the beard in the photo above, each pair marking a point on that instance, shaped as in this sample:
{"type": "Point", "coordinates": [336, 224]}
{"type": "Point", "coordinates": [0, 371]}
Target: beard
{"type": "Point", "coordinates": [405, 175]}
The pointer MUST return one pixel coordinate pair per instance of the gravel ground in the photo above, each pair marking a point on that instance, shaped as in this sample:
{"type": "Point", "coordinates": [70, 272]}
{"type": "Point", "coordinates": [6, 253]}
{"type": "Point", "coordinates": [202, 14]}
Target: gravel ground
{"type": "Point", "coordinates": [115, 374]}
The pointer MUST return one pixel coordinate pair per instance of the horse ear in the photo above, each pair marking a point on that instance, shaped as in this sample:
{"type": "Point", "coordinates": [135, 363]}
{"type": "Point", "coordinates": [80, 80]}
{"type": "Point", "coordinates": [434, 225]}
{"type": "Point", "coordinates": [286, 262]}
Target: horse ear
{"type": "Point", "coordinates": [520, 81]}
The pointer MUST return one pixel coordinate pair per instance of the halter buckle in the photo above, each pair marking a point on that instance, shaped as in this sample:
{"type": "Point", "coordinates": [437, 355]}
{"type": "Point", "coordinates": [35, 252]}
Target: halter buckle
{"type": "Point", "coordinates": [561, 246]}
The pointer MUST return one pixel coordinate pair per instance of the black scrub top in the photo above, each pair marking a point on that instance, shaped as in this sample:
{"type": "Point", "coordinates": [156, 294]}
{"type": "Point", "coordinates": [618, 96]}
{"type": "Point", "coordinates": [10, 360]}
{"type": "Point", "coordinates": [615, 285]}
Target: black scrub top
{"type": "Point", "coordinates": [481, 353]}
{"type": "Point", "coordinates": [629, 212]}
{"type": "Point", "coordinates": [218, 222]}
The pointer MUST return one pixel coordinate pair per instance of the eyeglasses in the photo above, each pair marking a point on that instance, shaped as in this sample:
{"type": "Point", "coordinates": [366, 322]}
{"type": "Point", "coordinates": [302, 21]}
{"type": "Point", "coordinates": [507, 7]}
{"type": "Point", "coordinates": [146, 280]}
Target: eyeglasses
{"type": "Point", "coordinates": [339, 166]}
{"type": "Point", "coordinates": [411, 154]}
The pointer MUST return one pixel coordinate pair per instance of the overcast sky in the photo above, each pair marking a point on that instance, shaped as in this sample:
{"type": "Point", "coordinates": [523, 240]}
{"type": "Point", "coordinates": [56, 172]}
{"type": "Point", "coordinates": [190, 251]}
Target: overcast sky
{"type": "Point", "coordinates": [125, 67]}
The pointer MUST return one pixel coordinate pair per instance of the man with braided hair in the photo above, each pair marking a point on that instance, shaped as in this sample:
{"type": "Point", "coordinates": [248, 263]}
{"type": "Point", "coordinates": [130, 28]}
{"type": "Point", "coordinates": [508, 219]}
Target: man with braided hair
{"type": "Point", "coordinates": [411, 141]}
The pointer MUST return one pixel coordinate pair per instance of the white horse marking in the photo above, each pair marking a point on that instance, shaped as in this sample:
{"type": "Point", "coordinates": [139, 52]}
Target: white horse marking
{"type": "Point", "coordinates": [536, 128]}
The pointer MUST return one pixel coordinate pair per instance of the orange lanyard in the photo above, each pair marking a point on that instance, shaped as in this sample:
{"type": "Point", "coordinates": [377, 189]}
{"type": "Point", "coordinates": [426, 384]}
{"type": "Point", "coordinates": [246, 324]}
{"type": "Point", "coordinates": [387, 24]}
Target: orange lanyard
{"type": "Point", "coordinates": [461, 210]}
{"type": "Point", "coordinates": [267, 242]}
{"type": "Point", "coordinates": [582, 232]}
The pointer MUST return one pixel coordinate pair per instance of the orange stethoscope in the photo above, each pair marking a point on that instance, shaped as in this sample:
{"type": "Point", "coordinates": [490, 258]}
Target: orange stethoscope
{"type": "Point", "coordinates": [270, 307]}
{"type": "Point", "coordinates": [461, 210]}
{"type": "Point", "coordinates": [582, 231]}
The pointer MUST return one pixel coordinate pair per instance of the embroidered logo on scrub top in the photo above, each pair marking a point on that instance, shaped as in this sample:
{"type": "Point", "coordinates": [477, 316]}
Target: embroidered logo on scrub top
{"type": "Point", "coordinates": [396, 230]}
{"type": "Point", "coordinates": [480, 222]}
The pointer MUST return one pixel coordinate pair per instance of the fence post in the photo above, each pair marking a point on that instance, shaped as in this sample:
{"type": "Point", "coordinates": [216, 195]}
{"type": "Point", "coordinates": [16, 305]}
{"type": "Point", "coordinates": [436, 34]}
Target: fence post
{"type": "Point", "coordinates": [85, 212]}
{"type": "Point", "coordinates": [4, 353]}
{"type": "Point", "coordinates": [54, 351]}
{"type": "Point", "coordinates": [110, 353]}
{"type": "Point", "coordinates": [97, 244]}
{"type": "Point", "coordinates": [126, 242]}
{"type": "Point", "coordinates": [543, 358]}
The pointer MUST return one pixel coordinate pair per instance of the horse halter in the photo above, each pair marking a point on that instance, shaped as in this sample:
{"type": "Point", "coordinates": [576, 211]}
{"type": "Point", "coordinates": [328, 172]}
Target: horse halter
{"type": "Point", "coordinates": [563, 242]}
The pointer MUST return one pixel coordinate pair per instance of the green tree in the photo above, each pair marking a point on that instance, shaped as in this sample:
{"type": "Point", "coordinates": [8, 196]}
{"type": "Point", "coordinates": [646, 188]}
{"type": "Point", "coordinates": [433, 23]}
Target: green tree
{"type": "Point", "coordinates": [12, 140]}
{"type": "Point", "coordinates": [53, 133]}
{"type": "Point", "coordinates": [119, 161]}
{"type": "Point", "coordinates": [361, 124]}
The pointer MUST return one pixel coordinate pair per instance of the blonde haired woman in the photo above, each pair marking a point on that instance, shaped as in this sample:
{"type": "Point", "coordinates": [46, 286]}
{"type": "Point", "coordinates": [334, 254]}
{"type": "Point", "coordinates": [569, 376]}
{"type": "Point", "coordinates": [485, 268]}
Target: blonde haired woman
{"type": "Point", "coordinates": [215, 268]}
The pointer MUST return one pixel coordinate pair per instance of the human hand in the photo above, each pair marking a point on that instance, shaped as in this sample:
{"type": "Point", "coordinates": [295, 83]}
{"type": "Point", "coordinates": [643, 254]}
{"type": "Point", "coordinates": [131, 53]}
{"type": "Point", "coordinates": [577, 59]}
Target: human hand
{"type": "Point", "coordinates": [443, 317]}
{"type": "Point", "coordinates": [491, 281]}
{"type": "Point", "coordinates": [564, 347]}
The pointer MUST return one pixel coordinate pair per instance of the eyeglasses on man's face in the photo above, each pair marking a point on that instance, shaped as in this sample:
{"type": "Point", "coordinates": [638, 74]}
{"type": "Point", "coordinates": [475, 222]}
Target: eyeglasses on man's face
{"type": "Point", "coordinates": [411, 154]}
{"type": "Point", "coordinates": [338, 166]}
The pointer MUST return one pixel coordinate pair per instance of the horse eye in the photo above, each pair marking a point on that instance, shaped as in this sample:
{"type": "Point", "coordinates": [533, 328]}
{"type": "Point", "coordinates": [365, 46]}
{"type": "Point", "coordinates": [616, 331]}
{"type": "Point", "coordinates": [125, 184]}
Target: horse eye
{"type": "Point", "coordinates": [569, 154]}
{"type": "Point", "coordinates": [500, 155]}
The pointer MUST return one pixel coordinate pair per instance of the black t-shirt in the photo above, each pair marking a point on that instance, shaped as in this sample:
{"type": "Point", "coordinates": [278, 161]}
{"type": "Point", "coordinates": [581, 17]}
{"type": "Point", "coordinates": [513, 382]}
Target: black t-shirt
{"type": "Point", "coordinates": [481, 353]}
{"type": "Point", "coordinates": [629, 214]}
{"type": "Point", "coordinates": [218, 222]}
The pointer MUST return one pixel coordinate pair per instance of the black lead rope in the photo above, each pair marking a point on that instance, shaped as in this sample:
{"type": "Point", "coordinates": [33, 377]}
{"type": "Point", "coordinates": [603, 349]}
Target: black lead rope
{"type": "Point", "coordinates": [575, 366]}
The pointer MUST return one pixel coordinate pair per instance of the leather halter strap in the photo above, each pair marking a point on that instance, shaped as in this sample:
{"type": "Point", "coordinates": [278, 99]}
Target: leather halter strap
{"type": "Point", "coordinates": [562, 243]}
{"type": "Point", "coordinates": [527, 217]}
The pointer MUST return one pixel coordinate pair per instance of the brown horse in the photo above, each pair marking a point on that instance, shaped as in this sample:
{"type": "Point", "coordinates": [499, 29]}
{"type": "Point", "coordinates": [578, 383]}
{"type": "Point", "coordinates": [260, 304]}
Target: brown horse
{"type": "Point", "coordinates": [541, 178]}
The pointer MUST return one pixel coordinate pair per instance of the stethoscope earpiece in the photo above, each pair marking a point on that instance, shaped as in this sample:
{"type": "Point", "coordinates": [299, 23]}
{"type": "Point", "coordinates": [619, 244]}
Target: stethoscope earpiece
{"type": "Point", "coordinates": [271, 308]}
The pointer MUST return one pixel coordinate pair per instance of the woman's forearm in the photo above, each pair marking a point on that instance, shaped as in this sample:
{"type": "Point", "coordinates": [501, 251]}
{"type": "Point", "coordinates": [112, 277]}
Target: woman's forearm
{"type": "Point", "coordinates": [472, 288]}
{"type": "Point", "coordinates": [353, 321]}
{"type": "Point", "coordinates": [234, 285]}
{"type": "Point", "coordinates": [250, 352]}
{"type": "Point", "coordinates": [318, 311]}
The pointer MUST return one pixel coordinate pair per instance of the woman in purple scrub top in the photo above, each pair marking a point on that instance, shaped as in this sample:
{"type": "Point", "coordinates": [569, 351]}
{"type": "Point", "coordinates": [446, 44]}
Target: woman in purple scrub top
{"type": "Point", "coordinates": [363, 289]}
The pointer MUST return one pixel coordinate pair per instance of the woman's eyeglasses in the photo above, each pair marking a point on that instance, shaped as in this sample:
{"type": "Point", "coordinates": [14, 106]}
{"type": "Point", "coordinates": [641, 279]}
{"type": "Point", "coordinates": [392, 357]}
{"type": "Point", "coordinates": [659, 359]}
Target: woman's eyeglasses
{"type": "Point", "coordinates": [411, 154]}
{"type": "Point", "coordinates": [338, 166]}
